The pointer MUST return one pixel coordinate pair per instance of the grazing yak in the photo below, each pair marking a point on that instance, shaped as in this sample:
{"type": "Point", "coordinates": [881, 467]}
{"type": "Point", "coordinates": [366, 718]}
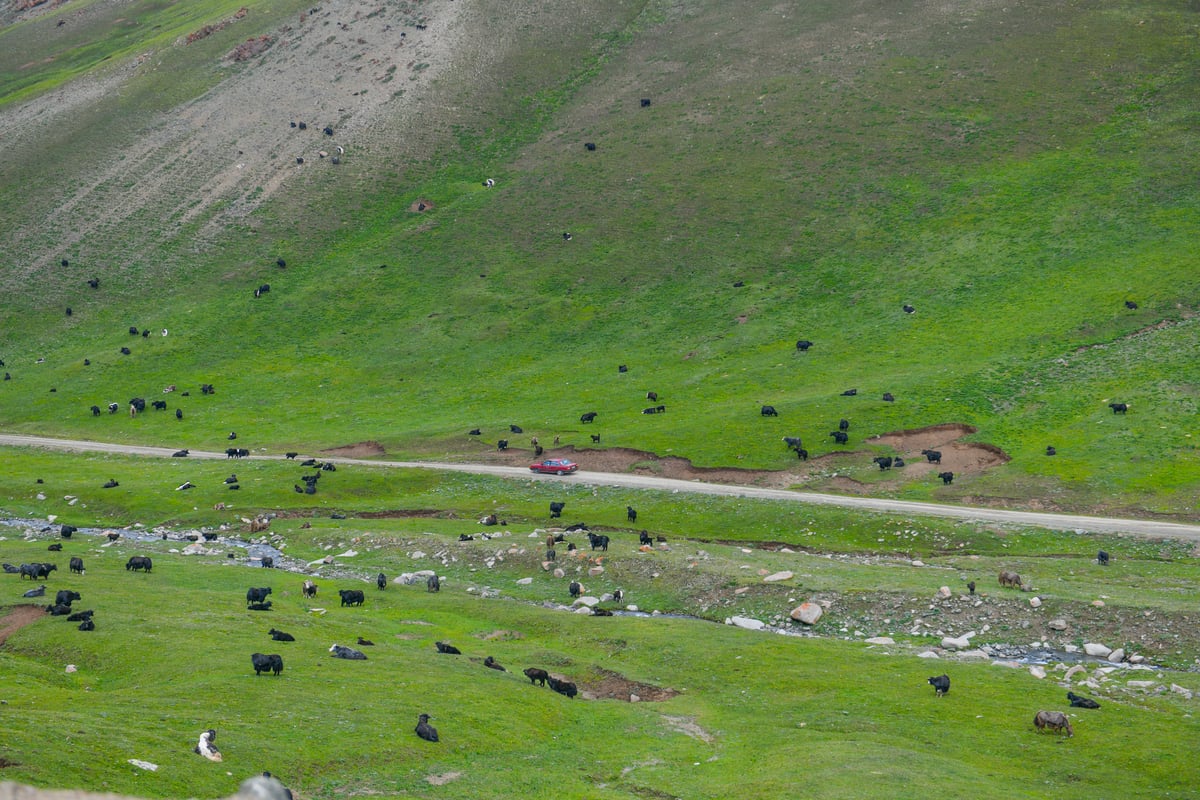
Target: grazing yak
{"type": "Point", "coordinates": [263, 606]}
{"type": "Point", "coordinates": [932, 456]}
{"type": "Point", "coordinates": [644, 538]}
{"type": "Point", "coordinates": [803, 345]}
{"type": "Point", "coordinates": [575, 588]}
{"type": "Point", "coordinates": [258, 595]}
{"type": "Point", "coordinates": [65, 597]}
{"type": "Point", "coordinates": [381, 581]}
{"type": "Point", "coordinates": [352, 597]}
{"type": "Point", "coordinates": [1010, 579]}
{"type": "Point", "coordinates": [86, 625]}
{"type": "Point", "coordinates": [348, 653]}
{"type": "Point", "coordinates": [841, 437]}
{"type": "Point", "coordinates": [843, 424]}
{"type": "Point", "coordinates": [850, 393]}
{"type": "Point", "coordinates": [768, 411]}
{"type": "Point", "coordinates": [556, 509]}
{"type": "Point", "coordinates": [563, 687]}
{"type": "Point", "coordinates": [136, 563]}
{"type": "Point", "coordinates": [425, 730]}
{"type": "Point", "coordinates": [588, 416]}
{"type": "Point", "coordinates": [433, 584]}
{"type": "Point", "coordinates": [947, 478]}
{"type": "Point", "coordinates": [884, 462]}
{"type": "Point", "coordinates": [491, 663]}
{"type": "Point", "coordinates": [77, 565]}
{"type": "Point", "coordinates": [537, 675]}
{"type": "Point", "coordinates": [309, 589]}
{"type": "Point", "coordinates": [631, 513]}
{"type": "Point", "coordinates": [267, 663]}
{"type": "Point", "coordinates": [1050, 450]}
{"type": "Point", "coordinates": [793, 442]}
{"type": "Point", "coordinates": [447, 649]}
{"type": "Point", "coordinates": [280, 636]}
{"type": "Point", "coordinates": [1054, 720]}
{"type": "Point", "coordinates": [1102, 558]}
{"type": "Point", "coordinates": [1079, 701]}
{"type": "Point", "coordinates": [971, 587]}
{"type": "Point", "coordinates": [598, 541]}
{"type": "Point", "coordinates": [940, 684]}
{"type": "Point", "coordinates": [888, 398]}
{"type": "Point", "coordinates": [1119, 408]}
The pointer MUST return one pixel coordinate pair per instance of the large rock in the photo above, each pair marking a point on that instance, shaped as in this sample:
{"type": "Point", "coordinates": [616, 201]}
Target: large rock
{"type": "Point", "coordinates": [880, 640]}
{"type": "Point", "coordinates": [1036, 602]}
{"type": "Point", "coordinates": [955, 642]}
{"type": "Point", "coordinates": [809, 613]}
{"type": "Point", "coordinates": [778, 576]}
{"type": "Point", "coordinates": [1117, 656]}
{"type": "Point", "coordinates": [1057, 624]}
{"type": "Point", "coordinates": [1097, 650]}
{"type": "Point", "coordinates": [747, 623]}
{"type": "Point", "coordinates": [1037, 672]}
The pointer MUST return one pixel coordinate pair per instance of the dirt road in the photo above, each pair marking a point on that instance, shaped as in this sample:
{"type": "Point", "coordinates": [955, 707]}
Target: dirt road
{"type": "Point", "coordinates": [1153, 529]}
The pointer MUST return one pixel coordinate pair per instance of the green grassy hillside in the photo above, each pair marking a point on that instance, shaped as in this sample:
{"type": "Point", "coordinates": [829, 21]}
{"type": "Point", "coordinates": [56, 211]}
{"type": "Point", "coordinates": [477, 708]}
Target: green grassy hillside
{"type": "Point", "coordinates": [1016, 177]}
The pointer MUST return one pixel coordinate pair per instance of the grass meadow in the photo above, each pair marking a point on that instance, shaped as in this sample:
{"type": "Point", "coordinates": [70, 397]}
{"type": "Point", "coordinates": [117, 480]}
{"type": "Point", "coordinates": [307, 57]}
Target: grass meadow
{"type": "Point", "coordinates": [1023, 177]}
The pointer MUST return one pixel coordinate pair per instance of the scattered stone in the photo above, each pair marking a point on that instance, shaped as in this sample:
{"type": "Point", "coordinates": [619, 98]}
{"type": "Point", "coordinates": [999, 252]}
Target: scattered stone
{"type": "Point", "coordinates": [586, 600]}
{"type": "Point", "coordinates": [944, 592]}
{"type": "Point", "coordinates": [955, 643]}
{"type": "Point", "coordinates": [880, 640]}
{"type": "Point", "coordinates": [980, 654]}
{"type": "Point", "coordinates": [741, 590]}
{"type": "Point", "coordinates": [631, 607]}
{"type": "Point", "coordinates": [1009, 664]}
{"type": "Point", "coordinates": [524, 581]}
{"type": "Point", "coordinates": [928, 654]}
{"type": "Point", "coordinates": [809, 613]}
{"type": "Point", "coordinates": [1097, 650]}
{"type": "Point", "coordinates": [1037, 672]}
{"type": "Point", "coordinates": [72, 668]}
{"type": "Point", "coordinates": [1141, 684]}
{"type": "Point", "coordinates": [1117, 656]}
{"type": "Point", "coordinates": [1075, 670]}
{"type": "Point", "coordinates": [595, 571]}
{"type": "Point", "coordinates": [778, 576]}
{"type": "Point", "coordinates": [1136, 659]}
{"type": "Point", "coordinates": [560, 573]}
{"type": "Point", "coordinates": [916, 563]}
{"type": "Point", "coordinates": [1098, 603]}
{"type": "Point", "coordinates": [1057, 624]}
{"type": "Point", "coordinates": [1177, 689]}
{"type": "Point", "coordinates": [146, 765]}
{"type": "Point", "coordinates": [1036, 602]}
{"type": "Point", "coordinates": [633, 698]}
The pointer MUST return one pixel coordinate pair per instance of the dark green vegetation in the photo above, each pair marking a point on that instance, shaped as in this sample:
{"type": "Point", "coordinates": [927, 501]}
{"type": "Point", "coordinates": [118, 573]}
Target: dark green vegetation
{"type": "Point", "coordinates": [1015, 173]}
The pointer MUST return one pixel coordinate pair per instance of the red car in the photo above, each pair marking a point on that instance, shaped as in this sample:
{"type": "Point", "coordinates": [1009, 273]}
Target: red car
{"type": "Point", "coordinates": [554, 466]}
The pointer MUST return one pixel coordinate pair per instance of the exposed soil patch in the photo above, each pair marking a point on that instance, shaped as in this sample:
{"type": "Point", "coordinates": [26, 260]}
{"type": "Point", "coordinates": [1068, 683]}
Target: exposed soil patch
{"type": "Point", "coordinates": [422, 513]}
{"type": "Point", "coordinates": [358, 450]}
{"type": "Point", "coordinates": [960, 457]}
{"type": "Point", "coordinates": [18, 617]}
{"type": "Point", "coordinates": [605, 685]}
{"type": "Point", "coordinates": [421, 205]}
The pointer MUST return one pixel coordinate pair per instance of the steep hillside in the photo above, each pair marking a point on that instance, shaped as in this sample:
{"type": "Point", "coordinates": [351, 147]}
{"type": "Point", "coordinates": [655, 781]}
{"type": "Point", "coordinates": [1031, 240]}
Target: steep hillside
{"type": "Point", "coordinates": [1014, 173]}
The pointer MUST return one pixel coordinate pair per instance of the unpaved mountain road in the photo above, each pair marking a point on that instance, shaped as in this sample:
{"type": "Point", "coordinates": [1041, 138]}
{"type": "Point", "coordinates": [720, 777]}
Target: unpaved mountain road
{"type": "Point", "coordinates": [1151, 529]}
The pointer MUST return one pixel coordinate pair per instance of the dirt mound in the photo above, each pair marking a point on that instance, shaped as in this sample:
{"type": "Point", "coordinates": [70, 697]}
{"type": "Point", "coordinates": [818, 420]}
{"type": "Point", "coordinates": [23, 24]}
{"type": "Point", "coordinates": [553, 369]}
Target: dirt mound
{"type": "Point", "coordinates": [358, 450]}
{"type": "Point", "coordinates": [960, 457]}
{"type": "Point", "coordinates": [18, 617]}
{"type": "Point", "coordinates": [606, 685]}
